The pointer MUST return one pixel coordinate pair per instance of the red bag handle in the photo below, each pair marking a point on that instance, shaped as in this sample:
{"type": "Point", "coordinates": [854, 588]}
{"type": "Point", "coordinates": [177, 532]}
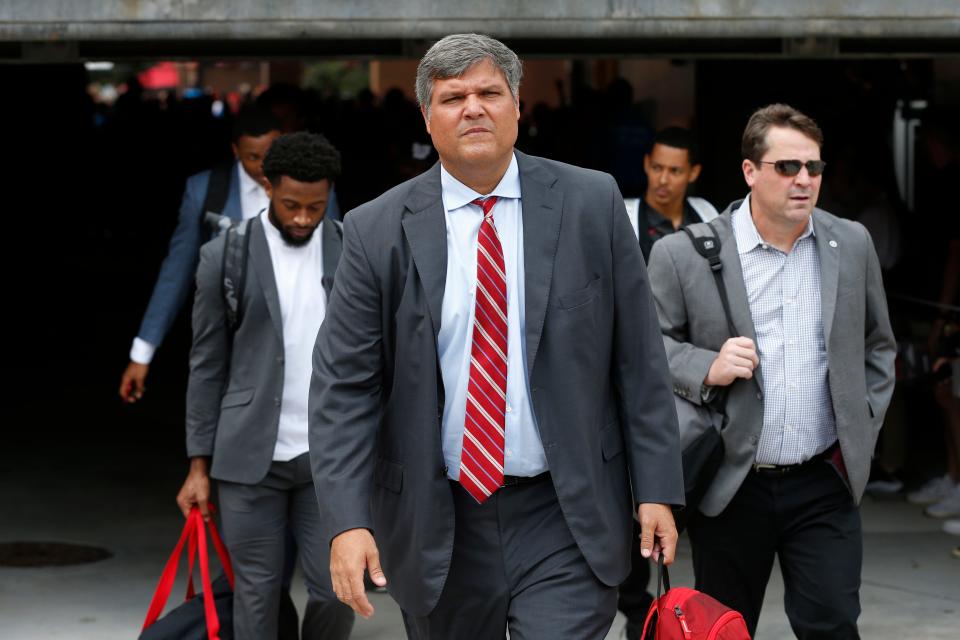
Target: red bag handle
{"type": "Point", "coordinates": [194, 536]}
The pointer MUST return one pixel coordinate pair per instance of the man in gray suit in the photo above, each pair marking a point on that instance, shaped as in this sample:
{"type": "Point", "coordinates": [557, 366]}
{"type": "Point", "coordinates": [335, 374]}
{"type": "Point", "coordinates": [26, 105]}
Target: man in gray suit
{"type": "Point", "coordinates": [490, 382]}
{"type": "Point", "coordinates": [807, 301]}
{"type": "Point", "coordinates": [248, 387]}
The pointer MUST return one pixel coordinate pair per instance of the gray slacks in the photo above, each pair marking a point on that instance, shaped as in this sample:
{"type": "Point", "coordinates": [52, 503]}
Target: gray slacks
{"type": "Point", "coordinates": [255, 521]}
{"type": "Point", "coordinates": [516, 565]}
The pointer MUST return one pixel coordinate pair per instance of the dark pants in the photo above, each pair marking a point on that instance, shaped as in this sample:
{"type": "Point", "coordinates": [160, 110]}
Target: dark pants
{"type": "Point", "coordinates": [256, 520]}
{"type": "Point", "coordinates": [516, 565]}
{"type": "Point", "coordinates": [807, 519]}
{"type": "Point", "coordinates": [633, 599]}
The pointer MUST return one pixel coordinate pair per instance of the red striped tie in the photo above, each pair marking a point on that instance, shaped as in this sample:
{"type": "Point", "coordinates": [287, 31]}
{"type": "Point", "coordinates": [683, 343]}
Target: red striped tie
{"type": "Point", "coordinates": [481, 459]}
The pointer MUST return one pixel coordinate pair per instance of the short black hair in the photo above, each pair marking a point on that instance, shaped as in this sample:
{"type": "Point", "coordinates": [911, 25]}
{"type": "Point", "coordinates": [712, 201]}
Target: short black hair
{"type": "Point", "coordinates": [302, 156]}
{"type": "Point", "coordinates": [679, 138]}
{"type": "Point", "coordinates": [254, 122]}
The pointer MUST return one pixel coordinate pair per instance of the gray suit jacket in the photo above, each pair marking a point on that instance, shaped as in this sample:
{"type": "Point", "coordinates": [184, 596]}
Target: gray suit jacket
{"type": "Point", "coordinates": [596, 368]}
{"type": "Point", "coordinates": [236, 381]}
{"type": "Point", "coordinates": [860, 343]}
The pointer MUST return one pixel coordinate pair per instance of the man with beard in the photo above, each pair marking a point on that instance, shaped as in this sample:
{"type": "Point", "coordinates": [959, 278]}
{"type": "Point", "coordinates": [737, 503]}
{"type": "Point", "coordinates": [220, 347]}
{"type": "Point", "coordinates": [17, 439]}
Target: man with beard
{"type": "Point", "coordinates": [805, 378]}
{"type": "Point", "coordinates": [248, 388]}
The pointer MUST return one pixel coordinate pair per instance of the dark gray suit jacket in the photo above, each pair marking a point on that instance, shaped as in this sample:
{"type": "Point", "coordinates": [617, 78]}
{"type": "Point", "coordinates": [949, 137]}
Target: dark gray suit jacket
{"type": "Point", "coordinates": [856, 327]}
{"type": "Point", "coordinates": [596, 367]}
{"type": "Point", "coordinates": [236, 381]}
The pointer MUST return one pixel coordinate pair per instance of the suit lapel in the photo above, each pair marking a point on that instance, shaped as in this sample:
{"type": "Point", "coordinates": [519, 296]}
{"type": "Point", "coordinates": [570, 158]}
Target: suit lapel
{"type": "Point", "coordinates": [829, 271]}
{"type": "Point", "coordinates": [332, 247]}
{"type": "Point", "coordinates": [542, 206]}
{"type": "Point", "coordinates": [263, 267]}
{"type": "Point", "coordinates": [733, 281]}
{"type": "Point", "coordinates": [425, 228]}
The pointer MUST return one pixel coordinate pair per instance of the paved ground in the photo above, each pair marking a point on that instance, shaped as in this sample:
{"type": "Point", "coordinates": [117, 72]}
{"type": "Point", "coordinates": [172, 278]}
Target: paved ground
{"type": "Point", "coordinates": [86, 494]}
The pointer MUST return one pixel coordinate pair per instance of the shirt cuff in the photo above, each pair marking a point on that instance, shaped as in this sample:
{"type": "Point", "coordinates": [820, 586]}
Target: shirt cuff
{"type": "Point", "coordinates": [142, 351]}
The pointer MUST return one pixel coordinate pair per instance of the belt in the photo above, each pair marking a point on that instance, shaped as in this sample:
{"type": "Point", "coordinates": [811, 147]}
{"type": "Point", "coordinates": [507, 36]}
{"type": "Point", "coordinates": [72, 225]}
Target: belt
{"type": "Point", "coordinates": [786, 469]}
{"type": "Point", "coordinates": [511, 481]}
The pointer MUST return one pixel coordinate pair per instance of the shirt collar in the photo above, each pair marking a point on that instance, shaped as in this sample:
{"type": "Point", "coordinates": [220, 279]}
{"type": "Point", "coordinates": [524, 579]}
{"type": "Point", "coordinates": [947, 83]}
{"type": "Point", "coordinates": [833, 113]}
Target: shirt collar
{"type": "Point", "coordinates": [456, 194]}
{"type": "Point", "coordinates": [745, 231]}
{"type": "Point", "coordinates": [248, 184]}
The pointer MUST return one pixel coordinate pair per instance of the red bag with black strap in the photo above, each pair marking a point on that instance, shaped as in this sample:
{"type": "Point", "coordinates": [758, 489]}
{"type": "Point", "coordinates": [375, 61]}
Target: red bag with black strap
{"type": "Point", "coordinates": [687, 614]}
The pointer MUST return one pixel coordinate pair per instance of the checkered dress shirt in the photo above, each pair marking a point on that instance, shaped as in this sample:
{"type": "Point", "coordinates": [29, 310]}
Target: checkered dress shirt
{"type": "Point", "coordinates": [783, 290]}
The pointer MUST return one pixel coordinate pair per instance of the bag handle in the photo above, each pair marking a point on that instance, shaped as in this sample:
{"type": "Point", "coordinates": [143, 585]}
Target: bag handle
{"type": "Point", "coordinates": [663, 579]}
{"type": "Point", "coordinates": [194, 536]}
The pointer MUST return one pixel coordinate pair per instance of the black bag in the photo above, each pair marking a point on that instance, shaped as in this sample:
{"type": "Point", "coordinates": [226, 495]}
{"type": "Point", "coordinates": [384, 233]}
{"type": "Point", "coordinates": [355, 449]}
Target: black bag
{"type": "Point", "coordinates": [703, 424]}
{"type": "Point", "coordinates": [188, 621]}
{"type": "Point", "coordinates": [203, 616]}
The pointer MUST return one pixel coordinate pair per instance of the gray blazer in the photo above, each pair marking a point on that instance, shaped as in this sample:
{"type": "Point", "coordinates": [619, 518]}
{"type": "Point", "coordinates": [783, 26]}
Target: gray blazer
{"type": "Point", "coordinates": [236, 381]}
{"type": "Point", "coordinates": [595, 364]}
{"type": "Point", "coordinates": [860, 343]}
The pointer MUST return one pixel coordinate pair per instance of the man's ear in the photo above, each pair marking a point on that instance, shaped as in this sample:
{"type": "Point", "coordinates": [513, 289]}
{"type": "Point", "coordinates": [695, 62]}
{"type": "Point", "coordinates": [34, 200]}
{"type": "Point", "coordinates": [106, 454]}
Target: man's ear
{"type": "Point", "coordinates": [749, 172]}
{"type": "Point", "coordinates": [235, 149]}
{"type": "Point", "coordinates": [267, 186]}
{"type": "Point", "coordinates": [646, 162]}
{"type": "Point", "coordinates": [695, 172]}
{"type": "Point", "coordinates": [426, 118]}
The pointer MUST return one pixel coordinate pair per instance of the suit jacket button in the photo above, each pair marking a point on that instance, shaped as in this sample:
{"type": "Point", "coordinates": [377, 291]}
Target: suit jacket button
{"type": "Point", "coordinates": [276, 401]}
{"type": "Point", "coordinates": [759, 396]}
{"type": "Point", "coordinates": [280, 359]}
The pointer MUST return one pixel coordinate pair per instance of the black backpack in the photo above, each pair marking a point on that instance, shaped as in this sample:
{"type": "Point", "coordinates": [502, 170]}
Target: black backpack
{"type": "Point", "coordinates": [234, 269]}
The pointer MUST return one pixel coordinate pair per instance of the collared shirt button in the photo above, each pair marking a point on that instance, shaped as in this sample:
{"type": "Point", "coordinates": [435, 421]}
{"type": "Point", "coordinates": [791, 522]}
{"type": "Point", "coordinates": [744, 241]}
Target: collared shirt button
{"type": "Point", "coordinates": [509, 409]}
{"type": "Point", "coordinates": [788, 428]}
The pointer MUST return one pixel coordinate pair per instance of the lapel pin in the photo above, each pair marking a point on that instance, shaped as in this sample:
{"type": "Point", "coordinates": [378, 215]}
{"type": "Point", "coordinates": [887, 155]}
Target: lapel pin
{"type": "Point", "coordinates": [833, 243]}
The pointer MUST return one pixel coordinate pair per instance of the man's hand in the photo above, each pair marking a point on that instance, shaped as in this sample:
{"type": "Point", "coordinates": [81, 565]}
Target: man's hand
{"type": "Point", "coordinates": [196, 489]}
{"type": "Point", "coordinates": [737, 359]}
{"type": "Point", "coordinates": [131, 384]}
{"type": "Point", "coordinates": [351, 553]}
{"type": "Point", "coordinates": [658, 532]}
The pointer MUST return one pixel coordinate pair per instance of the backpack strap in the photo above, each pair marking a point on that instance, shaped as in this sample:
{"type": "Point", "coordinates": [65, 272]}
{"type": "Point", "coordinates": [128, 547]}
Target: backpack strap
{"type": "Point", "coordinates": [332, 248]}
{"type": "Point", "coordinates": [708, 246]}
{"type": "Point", "coordinates": [235, 250]}
{"type": "Point", "coordinates": [218, 188]}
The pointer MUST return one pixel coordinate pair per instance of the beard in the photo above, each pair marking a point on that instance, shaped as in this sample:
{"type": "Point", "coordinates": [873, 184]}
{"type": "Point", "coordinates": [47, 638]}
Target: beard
{"type": "Point", "coordinates": [286, 231]}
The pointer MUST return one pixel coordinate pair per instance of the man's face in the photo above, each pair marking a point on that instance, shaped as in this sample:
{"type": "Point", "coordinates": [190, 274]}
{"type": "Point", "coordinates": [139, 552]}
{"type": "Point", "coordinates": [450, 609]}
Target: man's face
{"type": "Point", "coordinates": [297, 208]}
{"type": "Point", "coordinates": [473, 118]}
{"type": "Point", "coordinates": [669, 172]}
{"type": "Point", "coordinates": [783, 200]}
{"type": "Point", "coordinates": [250, 151]}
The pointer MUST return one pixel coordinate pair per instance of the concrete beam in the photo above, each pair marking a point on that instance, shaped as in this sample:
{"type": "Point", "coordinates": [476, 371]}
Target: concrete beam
{"type": "Point", "coordinates": [153, 20]}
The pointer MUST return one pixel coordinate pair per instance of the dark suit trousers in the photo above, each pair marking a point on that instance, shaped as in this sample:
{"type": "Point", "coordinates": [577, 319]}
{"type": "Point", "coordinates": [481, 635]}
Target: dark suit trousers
{"type": "Point", "coordinates": [807, 519]}
{"type": "Point", "coordinates": [256, 521]}
{"type": "Point", "coordinates": [516, 565]}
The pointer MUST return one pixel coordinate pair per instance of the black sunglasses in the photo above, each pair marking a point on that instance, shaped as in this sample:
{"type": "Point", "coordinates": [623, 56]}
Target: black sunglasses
{"type": "Point", "coordinates": [790, 168]}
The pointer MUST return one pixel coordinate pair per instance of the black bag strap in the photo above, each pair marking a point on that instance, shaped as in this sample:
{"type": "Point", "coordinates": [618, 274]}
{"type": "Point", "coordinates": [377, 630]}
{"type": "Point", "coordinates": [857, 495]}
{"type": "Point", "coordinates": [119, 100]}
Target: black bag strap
{"type": "Point", "coordinates": [218, 188]}
{"type": "Point", "coordinates": [234, 271]}
{"type": "Point", "coordinates": [663, 576]}
{"type": "Point", "coordinates": [708, 246]}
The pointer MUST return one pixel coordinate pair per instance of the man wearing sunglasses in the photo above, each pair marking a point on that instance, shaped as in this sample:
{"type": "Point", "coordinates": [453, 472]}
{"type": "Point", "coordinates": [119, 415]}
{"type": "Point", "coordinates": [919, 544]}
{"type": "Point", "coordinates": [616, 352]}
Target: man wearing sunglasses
{"type": "Point", "coordinates": [810, 324]}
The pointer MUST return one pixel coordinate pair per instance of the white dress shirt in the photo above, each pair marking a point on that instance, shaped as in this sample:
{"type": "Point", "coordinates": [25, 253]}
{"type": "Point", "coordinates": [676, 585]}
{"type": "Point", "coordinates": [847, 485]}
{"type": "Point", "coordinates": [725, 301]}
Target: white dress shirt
{"type": "Point", "coordinates": [253, 200]}
{"type": "Point", "coordinates": [253, 197]}
{"type": "Point", "coordinates": [783, 290]}
{"type": "Point", "coordinates": [298, 272]}
{"type": "Point", "coordinates": [523, 452]}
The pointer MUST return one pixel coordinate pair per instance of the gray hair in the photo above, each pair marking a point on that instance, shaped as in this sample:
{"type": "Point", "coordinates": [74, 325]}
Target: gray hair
{"type": "Point", "coordinates": [454, 54]}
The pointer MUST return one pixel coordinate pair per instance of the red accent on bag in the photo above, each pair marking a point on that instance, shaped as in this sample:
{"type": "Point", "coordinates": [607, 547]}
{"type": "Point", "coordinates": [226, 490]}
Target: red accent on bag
{"type": "Point", "coordinates": [687, 614]}
{"type": "Point", "coordinates": [195, 537]}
